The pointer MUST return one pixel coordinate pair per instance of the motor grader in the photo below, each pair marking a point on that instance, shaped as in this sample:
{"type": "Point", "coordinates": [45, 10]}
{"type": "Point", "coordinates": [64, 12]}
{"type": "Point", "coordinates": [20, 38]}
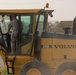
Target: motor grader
{"type": "Point", "coordinates": [40, 52]}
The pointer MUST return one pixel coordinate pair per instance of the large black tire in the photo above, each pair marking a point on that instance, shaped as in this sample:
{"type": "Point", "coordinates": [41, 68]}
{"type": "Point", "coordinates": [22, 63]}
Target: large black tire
{"type": "Point", "coordinates": [41, 67]}
{"type": "Point", "coordinates": [66, 66]}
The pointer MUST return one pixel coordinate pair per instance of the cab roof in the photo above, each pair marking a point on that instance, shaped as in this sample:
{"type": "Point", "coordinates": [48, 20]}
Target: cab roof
{"type": "Point", "coordinates": [12, 11]}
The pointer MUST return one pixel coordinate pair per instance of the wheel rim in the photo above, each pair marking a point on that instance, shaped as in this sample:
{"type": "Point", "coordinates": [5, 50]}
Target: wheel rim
{"type": "Point", "coordinates": [69, 72]}
{"type": "Point", "coordinates": [33, 71]}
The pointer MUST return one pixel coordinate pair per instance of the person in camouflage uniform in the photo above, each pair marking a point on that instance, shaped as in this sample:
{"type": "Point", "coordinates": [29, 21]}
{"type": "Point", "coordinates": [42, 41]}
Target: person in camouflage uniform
{"type": "Point", "coordinates": [14, 24]}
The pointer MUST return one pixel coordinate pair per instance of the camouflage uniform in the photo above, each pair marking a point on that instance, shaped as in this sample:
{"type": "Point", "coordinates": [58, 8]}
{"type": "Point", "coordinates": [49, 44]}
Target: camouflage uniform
{"type": "Point", "coordinates": [14, 37]}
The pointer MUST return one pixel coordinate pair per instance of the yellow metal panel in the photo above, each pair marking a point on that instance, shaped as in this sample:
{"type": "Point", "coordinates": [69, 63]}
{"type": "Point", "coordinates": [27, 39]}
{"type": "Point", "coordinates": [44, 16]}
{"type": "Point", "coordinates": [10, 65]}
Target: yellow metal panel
{"type": "Point", "coordinates": [20, 11]}
{"type": "Point", "coordinates": [60, 48]}
{"type": "Point", "coordinates": [64, 47]}
{"type": "Point", "coordinates": [45, 41]}
{"type": "Point", "coordinates": [19, 62]}
{"type": "Point", "coordinates": [25, 48]}
{"type": "Point", "coordinates": [46, 53]}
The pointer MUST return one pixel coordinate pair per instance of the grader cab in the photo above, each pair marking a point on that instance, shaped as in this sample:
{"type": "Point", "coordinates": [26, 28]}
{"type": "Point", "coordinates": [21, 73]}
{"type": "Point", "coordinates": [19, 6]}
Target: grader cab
{"type": "Point", "coordinates": [32, 23]}
{"type": "Point", "coordinates": [39, 52]}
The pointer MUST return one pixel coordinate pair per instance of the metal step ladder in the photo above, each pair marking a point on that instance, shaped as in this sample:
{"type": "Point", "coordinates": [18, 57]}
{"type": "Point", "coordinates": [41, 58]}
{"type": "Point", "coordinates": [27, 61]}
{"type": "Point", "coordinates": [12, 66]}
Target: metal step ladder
{"type": "Point", "coordinates": [10, 59]}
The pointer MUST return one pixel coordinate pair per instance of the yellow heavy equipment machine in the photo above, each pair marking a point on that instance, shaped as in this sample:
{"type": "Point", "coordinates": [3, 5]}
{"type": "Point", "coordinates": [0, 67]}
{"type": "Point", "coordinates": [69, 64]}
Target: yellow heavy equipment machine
{"type": "Point", "coordinates": [40, 52]}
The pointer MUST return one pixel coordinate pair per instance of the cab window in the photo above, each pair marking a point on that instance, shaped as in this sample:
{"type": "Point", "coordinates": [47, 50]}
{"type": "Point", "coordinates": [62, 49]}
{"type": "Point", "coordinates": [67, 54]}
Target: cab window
{"type": "Point", "coordinates": [26, 23]}
{"type": "Point", "coordinates": [26, 29]}
{"type": "Point", "coordinates": [40, 25]}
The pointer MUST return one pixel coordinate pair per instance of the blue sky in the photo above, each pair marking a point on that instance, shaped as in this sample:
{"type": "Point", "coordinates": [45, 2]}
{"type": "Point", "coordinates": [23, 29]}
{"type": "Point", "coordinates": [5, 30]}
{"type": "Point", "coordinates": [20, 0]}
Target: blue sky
{"type": "Point", "coordinates": [63, 9]}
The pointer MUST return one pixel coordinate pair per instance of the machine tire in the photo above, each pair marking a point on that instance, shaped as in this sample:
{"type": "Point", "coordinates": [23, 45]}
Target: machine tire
{"type": "Point", "coordinates": [41, 67]}
{"type": "Point", "coordinates": [66, 66]}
